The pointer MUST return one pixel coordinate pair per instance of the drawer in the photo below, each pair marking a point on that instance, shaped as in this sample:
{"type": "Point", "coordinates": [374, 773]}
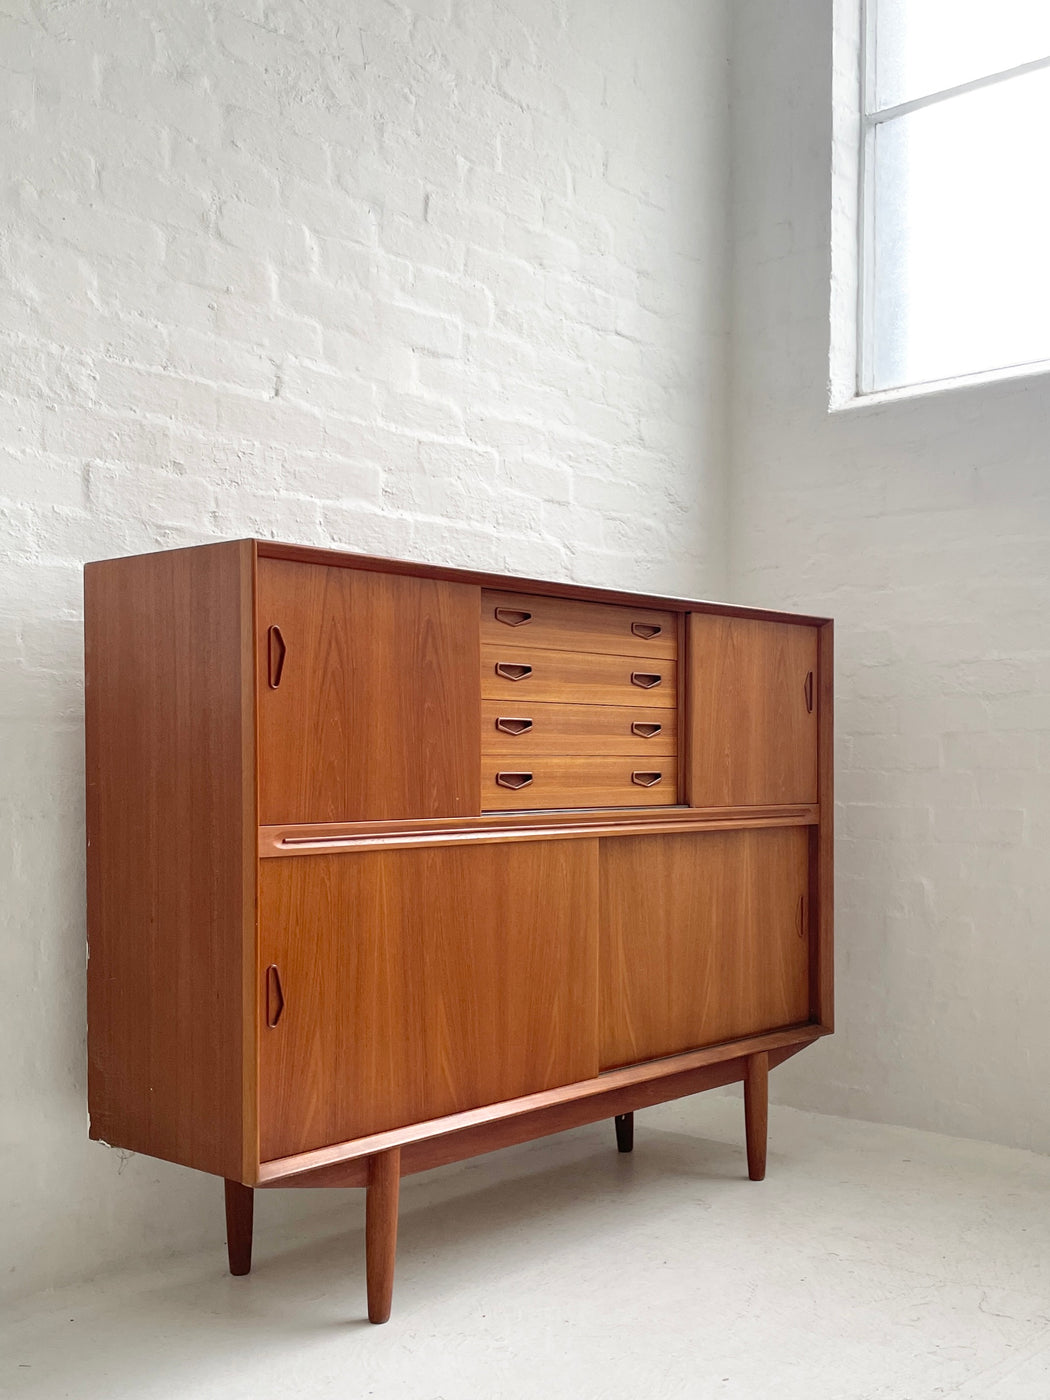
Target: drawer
{"type": "Point", "coordinates": [513, 729]}
{"type": "Point", "coordinates": [555, 781]}
{"type": "Point", "coordinates": [566, 624]}
{"type": "Point", "coordinates": [519, 675]}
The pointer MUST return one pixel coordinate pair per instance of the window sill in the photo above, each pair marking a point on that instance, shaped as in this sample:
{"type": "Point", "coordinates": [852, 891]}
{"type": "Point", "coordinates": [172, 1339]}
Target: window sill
{"type": "Point", "coordinates": [1013, 374]}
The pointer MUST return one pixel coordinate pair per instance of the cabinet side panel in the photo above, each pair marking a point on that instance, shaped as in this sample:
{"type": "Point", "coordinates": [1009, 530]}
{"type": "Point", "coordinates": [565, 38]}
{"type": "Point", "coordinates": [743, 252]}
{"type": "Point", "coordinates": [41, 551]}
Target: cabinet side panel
{"type": "Point", "coordinates": [170, 811]}
{"type": "Point", "coordinates": [368, 695]}
{"type": "Point", "coordinates": [823, 871]}
{"type": "Point", "coordinates": [418, 983]}
{"type": "Point", "coordinates": [703, 938]}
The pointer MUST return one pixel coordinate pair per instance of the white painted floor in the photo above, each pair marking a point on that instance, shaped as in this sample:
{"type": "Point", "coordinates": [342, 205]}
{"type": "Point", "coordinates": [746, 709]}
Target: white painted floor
{"type": "Point", "coordinates": [873, 1263]}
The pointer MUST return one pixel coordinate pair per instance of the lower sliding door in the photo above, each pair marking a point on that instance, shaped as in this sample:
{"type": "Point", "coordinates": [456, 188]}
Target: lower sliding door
{"type": "Point", "coordinates": [704, 937]}
{"type": "Point", "coordinates": [406, 984]}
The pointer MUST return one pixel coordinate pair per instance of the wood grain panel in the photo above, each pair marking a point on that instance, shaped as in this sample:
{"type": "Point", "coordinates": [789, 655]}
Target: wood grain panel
{"type": "Point", "coordinates": [170, 860]}
{"type": "Point", "coordinates": [418, 983]}
{"type": "Point", "coordinates": [376, 714]}
{"type": "Point", "coordinates": [577, 678]}
{"type": "Point", "coordinates": [704, 938]}
{"type": "Point", "coordinates": [754, 698]}
{"type": "Point", "coordinates": [578, 782]}
{"type": "Point", "coordinates": [577, 729]}
{"type": "Point", "coordinates": [572, 624]}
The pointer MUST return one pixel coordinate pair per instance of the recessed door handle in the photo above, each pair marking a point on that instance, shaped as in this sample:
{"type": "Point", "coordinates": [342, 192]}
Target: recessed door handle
{"type": "Point", "coordinates": [808, 689]}
{"type": "Point", "coordinates": [646, 630]}
{"type": "Point", "coordinates": [514, 781]}
{"type": "Point", "coordinates": [644, 730]}
{"type": "Point", "coordinates": [646, 679]}
{"type": "Point", "coordinates": [275, 654]}
{"type": "Point", "coordinates": [646, 779]}
{"type": "Point", "coordinates": [513, 617]}
{"type": "Point", "coordinates": [511, 724]}
{"type": "Point", "coordinates": [512, 670]}
{"type": "Point", "coordinates": [800, 917]}
{"type": "Point", "coordinates": [274, 996]}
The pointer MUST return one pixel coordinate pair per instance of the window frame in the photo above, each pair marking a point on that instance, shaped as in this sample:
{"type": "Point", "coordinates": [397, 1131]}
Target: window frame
{"type": "Point", "coordinates": [868, 121]}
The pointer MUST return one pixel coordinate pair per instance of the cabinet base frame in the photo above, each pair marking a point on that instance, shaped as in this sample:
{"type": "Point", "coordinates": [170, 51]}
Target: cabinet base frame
{"type": "Point", "coordinates": [461, 1135]}
{"type": "Point", "coordinates": [380, 1171]}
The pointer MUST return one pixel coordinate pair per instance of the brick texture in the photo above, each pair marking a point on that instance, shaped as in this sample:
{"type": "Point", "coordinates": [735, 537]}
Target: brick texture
{"type": "Point", "coordinates": [439, 279]}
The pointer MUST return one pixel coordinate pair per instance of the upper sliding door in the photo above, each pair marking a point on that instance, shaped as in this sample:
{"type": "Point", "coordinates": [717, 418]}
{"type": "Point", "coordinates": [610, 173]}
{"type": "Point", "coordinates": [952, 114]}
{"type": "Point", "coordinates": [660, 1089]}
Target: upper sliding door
{"type": "Point", "coordinates": [752, 720]}
{"type": "Point", "coordinates": [368, 695]}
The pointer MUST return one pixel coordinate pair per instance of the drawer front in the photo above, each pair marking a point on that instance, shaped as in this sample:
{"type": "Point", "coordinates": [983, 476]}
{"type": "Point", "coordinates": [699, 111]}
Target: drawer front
{"type": "Point", "coordinates": [565, 624]}
{"type": "Point", "coordinates": [513, 729]}
{"type": "Point", "coordinates": [544, 782]}
{"type": "Point", "coordinates": [518, 675]}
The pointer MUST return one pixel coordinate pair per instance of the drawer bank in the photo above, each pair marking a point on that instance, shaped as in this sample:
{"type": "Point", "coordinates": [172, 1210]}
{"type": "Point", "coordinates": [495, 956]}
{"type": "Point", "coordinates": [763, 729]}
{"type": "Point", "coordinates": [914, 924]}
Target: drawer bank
{"type": "Point", "coordinates": [390, 865]}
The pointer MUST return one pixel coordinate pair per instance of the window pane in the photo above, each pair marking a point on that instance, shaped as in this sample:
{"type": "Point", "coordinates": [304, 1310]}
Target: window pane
{"type": "Point", "coordinates": [961, 235]}
{"type": "Point", "coordinates": [924, 46]}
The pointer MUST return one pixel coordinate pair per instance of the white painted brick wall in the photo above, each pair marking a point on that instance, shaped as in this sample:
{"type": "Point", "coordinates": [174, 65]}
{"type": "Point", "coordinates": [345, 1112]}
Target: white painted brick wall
{"type": "Point", "coordinates": [439, 279]}
{"type": "Point", "coordinates": [924, 528]}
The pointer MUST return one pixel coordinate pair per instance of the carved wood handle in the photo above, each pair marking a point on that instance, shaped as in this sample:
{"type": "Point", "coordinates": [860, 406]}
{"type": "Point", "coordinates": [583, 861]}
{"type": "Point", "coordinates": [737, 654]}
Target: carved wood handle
{"type": "Point", "coordinates": [646, 679]}
{"type": "Point", "coordinates": [646, 779]}
{"type": "Point", "coordinates": [513, 670]}
{"type": "Point", "coordinates": [513, 617]}
{"type": "Point", "coordinates": [275, 654]}
{"type": "Point", "coordinates": [808, 688]}
{"type": "Point", "coordinates": [646, 630]}
{"type": "Point", "coordinates": [800, 917]}
{"type": "Point", "coordinates": [513, 780]}
{"type": "Point", "coordinates": [513, 725]}
{"type": "Point", "coordinates": [274, 996]}
{"type": "Point", "coordinates": [644, 730]}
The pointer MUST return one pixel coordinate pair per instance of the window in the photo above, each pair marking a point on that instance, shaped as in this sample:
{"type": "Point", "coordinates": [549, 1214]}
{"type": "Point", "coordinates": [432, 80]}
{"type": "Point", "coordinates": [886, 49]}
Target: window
{"type": "Point", "coordinates": [955, 189]}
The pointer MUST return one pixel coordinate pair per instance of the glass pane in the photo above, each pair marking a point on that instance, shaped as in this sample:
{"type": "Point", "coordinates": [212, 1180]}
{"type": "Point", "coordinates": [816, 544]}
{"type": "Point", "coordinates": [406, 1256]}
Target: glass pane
{"type": "Point", "coordinates": [924, 46]}
{"type": "Point", "coordinates": [960, 235]}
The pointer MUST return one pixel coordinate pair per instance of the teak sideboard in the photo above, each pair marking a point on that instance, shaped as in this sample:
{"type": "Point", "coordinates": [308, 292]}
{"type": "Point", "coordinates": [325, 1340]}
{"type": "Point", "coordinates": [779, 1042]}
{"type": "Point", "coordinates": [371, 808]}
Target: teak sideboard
{"type": "Point", "coordinates": [390, 865]}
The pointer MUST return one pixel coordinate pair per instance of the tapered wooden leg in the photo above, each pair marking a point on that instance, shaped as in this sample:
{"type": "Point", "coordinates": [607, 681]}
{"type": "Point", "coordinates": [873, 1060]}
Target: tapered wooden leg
{"type": "Point", "coordinates": [384, 1182]}
{"type": "Point", "coordinates": [756, 1113]}
{"type": "Point", "coordinates": [240, 1211]}
{"type": "Point", "coordinates": [624, 1132]}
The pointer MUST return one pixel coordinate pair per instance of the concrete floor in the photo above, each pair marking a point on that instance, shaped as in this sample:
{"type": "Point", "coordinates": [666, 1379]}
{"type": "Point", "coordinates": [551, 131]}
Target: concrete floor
{"type": "Point", "coordinates": [874, 1263]}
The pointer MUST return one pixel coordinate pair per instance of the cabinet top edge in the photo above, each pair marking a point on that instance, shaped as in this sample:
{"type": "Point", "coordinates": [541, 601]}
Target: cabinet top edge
{"type": "Point", "coordinates": [345, 559]}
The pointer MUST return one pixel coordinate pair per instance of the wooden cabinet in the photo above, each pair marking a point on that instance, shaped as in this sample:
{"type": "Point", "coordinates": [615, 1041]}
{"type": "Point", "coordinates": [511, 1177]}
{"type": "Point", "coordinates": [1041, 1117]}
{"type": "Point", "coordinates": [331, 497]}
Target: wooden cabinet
{"type": "Point", "coordinates": [389, 865]}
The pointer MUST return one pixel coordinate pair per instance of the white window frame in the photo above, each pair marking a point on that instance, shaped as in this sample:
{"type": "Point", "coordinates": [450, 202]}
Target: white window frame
{"type": "Point", "coordinates": [852, 329]}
